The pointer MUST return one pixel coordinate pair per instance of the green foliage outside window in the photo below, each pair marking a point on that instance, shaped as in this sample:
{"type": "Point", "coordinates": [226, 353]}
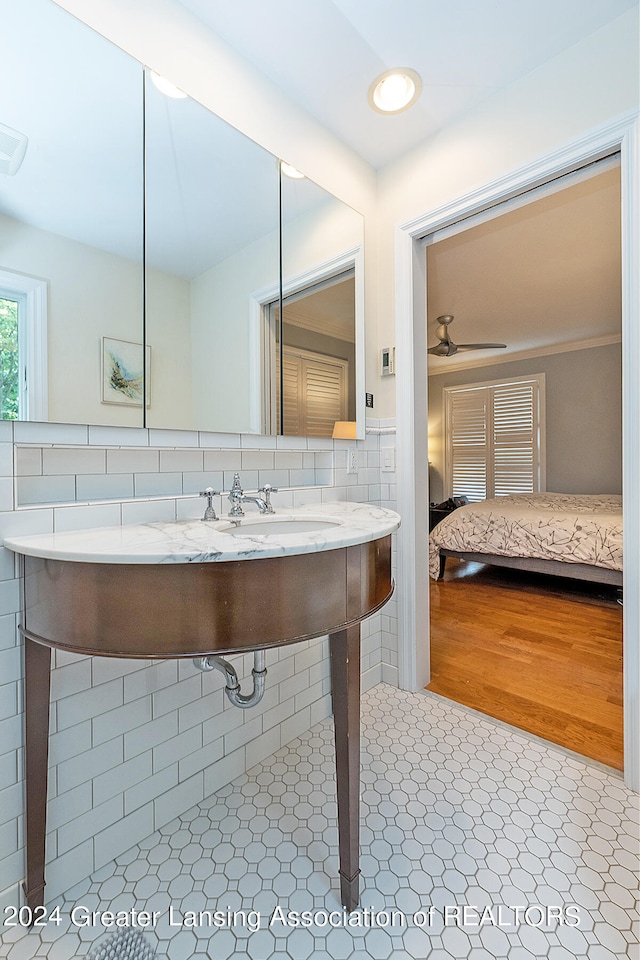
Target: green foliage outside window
{"type": "Point", "coordinates": [9, 369]}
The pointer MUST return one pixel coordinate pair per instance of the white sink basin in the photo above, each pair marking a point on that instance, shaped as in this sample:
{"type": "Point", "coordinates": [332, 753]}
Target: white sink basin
{"type": "Point", "coordinates": [268, 527]}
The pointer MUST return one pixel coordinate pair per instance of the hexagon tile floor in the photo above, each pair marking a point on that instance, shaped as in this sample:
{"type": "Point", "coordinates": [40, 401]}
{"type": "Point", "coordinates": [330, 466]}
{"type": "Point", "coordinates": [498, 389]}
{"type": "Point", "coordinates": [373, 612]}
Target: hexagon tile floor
{"type": "Point", "coordinates": [456, 812]}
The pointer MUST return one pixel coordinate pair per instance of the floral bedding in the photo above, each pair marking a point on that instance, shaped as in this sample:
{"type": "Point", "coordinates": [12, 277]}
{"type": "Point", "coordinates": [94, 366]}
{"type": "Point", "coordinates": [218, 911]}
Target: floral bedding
{"type": "Point", "coordinates": [574, 528]}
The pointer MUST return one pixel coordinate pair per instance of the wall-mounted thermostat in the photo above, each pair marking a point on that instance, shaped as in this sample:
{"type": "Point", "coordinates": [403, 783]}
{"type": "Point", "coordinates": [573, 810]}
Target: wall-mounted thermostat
{"type": "Point", "coordinates": [387, 361]}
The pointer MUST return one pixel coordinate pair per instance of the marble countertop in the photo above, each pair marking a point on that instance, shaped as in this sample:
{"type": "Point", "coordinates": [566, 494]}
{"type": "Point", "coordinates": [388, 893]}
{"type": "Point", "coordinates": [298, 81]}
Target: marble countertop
{"type": "Point", "coordinates": [308, 529]}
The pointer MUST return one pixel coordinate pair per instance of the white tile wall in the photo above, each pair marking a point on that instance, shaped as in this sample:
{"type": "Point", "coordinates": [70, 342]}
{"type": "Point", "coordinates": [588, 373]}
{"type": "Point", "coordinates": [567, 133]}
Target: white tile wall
{"type": "Point", "coordinates": [134, 743]}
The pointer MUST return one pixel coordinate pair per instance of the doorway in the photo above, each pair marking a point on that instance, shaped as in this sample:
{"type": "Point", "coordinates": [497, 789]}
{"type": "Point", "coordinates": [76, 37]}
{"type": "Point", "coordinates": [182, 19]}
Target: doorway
{"type": "Point", "coordinates": [411, 346]}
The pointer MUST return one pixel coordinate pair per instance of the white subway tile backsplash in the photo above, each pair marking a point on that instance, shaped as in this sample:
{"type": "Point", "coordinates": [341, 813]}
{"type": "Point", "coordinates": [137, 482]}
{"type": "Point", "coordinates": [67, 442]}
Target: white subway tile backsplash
{"type": "Point", "coordinates": [118, 436]}
{"type": "Point", "coordinates": [86, 516]}
{"type": "Point", "coordinates": [6, 460]}
{"type": "Point", "coordinates": [68, 460]}
{"type": "Point", "coordinates": [117, 722]}
{"type": "Point", "coordinates": [256, 441]}
{"type": "Point", "coordinates": [220, 460]}
{"type": "Point", "coordinates": [133, 461]}
{"type": "Point", "coordinates": [34, 490]}
{"type": "Point", "coordinates": [90, 703]}
{"type": "Point", "coordinates": [32, 431]}
{"type": "Point", "coordinates": [8, 561]}
{"type": "Point", "coordinates": [116, 782]}
{"type": "Point", "coordinates": [257, 460]}
{"type": "Point", "coordinates": [148, 511]}
{"type": "Point", "coordinates": [152, 786]}
{"type": "Point", "coordinates": [195, 482]}
{"type": "Point", "coordinates": [157, 484]}
{"type": "Point", "coordinates": [220, 440]}
{"type": "Point", "coordinates": [181, 460]}
{"type": "Point", "coordinates": [69, 743]}
{"type": "Point", "coordinates": [88, 824]}
{"type": "Point", "coordinates": [199, 760]}
{"type": "Point", "coordinates": [88, 765]}
{"type": "Point", "coordinates": [10, 596]}
{"type": "Point", "coordinates": [70, 679]}
{"type": "Point", "coordinates": [28, 461]}
{"type": "Point", "coordinates": [144, 738]}
{"type": "Point", "coordinates": [290, 459]}
{"type": "Point", "coordinates": [111, 486]}
{"type": "Point", "coordinates": [172, 438]}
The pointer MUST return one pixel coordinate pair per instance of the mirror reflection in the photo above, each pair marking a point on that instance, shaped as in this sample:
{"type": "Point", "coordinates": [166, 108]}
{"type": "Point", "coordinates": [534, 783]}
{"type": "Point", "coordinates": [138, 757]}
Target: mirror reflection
{"type": "Point", "coordinates": [321, 310]}
{"type": "Point", "coordinates": [212, 243]}
{"type": "Point", "coordinates": [70, 221]}
{"type": "Point", "coordinates": [187, 333]}
{"type": "Point", "coordinates": [213, 282]}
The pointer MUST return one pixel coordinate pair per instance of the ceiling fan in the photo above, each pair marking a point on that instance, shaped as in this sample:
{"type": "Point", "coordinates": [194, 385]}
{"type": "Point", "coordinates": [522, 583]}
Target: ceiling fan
{"type": "Point", "coordinates": [447, 348]}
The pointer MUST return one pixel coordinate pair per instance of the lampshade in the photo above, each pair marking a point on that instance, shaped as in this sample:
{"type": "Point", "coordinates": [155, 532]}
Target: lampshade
{"type": "Point", "coordinates": [344, 430]}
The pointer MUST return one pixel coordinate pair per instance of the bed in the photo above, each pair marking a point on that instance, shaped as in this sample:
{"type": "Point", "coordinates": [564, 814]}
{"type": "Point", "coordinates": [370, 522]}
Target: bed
{"type": "Point", "coordinates": [569, 535]}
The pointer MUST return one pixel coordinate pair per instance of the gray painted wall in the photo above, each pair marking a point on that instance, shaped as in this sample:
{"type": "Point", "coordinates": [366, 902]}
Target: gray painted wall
{"type": "Point", "coordinates": [583, 414]}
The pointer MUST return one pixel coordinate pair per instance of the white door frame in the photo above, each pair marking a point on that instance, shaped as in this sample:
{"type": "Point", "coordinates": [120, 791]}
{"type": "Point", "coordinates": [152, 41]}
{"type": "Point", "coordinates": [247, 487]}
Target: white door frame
{"type": "Point", "coordinates": [411, 402]}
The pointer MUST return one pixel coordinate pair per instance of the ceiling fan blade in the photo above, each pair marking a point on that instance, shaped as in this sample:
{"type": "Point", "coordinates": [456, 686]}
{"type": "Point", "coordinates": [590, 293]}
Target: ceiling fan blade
{"type": "Point", "coordinates": [482, 346]}
{"type": "Point", "coordinates": [446, 348]}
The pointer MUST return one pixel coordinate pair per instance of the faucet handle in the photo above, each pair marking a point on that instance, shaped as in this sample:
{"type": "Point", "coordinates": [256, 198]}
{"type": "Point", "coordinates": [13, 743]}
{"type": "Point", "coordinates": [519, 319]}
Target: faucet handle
{"type": "Point", "coordinates": [267, 489]}
{"type": "Point", "coordinates": [209, 493]}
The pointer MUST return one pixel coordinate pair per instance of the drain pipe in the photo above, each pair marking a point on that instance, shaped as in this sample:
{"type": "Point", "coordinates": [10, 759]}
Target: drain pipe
{"type": "Point", "coordinates": [232, 688]}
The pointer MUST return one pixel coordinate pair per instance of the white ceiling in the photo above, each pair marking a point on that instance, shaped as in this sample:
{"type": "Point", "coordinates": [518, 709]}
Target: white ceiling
{"type": "Point", "coordinates": [545, 274]}
{"type": "Point", "coordinates": [324, 54]}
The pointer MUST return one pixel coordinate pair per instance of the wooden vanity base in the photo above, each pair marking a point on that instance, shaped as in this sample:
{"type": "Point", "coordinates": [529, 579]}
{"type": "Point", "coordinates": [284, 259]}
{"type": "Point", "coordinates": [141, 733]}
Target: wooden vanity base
{"type": "Point", "coordinates": [190, 610]}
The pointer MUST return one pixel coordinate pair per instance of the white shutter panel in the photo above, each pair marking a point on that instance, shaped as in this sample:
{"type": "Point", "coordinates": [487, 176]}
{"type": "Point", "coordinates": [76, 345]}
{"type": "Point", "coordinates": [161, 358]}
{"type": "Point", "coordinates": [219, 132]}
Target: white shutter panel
{"type": "Point", "coordinates": [292, 380]}
{"type": "Point", "coordinates": [325, 393]}
{"type": "Point", "coordinates": [515, 438]}
{"type": "Point", "coordinates": [467, 417]}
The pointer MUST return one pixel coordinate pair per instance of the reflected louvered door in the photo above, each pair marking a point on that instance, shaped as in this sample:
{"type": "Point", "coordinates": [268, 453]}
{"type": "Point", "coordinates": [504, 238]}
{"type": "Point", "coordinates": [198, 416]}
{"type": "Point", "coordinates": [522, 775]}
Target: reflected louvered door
{"type": "Point", "coordinates": [324, 396]}
{"type": "Point", "coordinates": [515, 438]}
{"type": "Point", "coordinates": [468, 413]}
{"type": "Point", "coordinates": [315, 393]}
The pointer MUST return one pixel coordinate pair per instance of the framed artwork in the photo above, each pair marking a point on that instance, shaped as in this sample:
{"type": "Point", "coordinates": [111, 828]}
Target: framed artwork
{"type": "Point", "coordinates": [122, 372]}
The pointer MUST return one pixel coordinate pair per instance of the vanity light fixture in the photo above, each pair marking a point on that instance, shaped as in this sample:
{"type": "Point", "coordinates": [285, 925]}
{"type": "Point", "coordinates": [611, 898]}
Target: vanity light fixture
{"type": "Point", "coordinates": [290, 171]}
{"type": "Point", "coordinates": [395, 90]}
{"type": "Point", "coordinates": [165, 86]}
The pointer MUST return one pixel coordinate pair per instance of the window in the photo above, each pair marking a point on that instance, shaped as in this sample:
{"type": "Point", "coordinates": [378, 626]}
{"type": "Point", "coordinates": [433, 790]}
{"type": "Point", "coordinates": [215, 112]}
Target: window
{"type": "Point", "coordinates": [23, 347]}
{"type": "Point", "coordinates": [495, 438]}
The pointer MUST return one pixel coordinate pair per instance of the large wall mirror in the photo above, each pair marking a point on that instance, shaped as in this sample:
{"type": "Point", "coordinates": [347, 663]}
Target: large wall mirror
{"type": "Point", "coordinates": [249, 286]}
{"type": "Point", "coordinates": [70, 217]}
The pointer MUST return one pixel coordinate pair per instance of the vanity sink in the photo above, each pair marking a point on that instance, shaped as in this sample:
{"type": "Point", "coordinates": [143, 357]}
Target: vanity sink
{"type": "Point", "coordinates": [194, 589]}
{"type": "Point", "coordinates": [268, 527]}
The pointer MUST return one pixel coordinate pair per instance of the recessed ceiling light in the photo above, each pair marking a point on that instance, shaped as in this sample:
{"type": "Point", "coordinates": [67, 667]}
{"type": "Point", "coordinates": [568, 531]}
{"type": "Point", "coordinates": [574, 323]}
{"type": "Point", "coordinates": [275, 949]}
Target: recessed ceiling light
{"type": "Point", "coordinates": [165, 86]}
{"type": "Point", "coordinates": [395, 91]}
{"type": "Point", "coordinates": [290, 171]}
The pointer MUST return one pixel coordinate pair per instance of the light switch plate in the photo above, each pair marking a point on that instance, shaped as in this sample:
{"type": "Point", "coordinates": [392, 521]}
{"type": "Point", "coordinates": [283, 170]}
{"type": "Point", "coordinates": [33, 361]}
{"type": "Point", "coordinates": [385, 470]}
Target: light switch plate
{"type": "Point", "coordinates": [387, 459]}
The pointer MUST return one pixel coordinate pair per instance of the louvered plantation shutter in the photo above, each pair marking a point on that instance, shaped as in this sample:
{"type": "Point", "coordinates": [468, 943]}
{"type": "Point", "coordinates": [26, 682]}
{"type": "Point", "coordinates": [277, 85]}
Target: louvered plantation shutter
{"type": "Point", "coordinates": [493, 438]}
{"type": "Point", "coordinates": [469, 443]}
{"type": "Point", "coordinates": [315, 393]}
{"type": "Point", "coordinates": [515, 438]}
{"type": "Point", "coordinates": [325, 395]}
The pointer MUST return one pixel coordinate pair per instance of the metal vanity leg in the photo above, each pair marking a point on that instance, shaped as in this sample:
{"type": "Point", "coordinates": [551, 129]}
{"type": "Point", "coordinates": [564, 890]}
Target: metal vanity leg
{"type": "Point", "coordinates": [37, 670]}
{"type": "Point", "coordinates": [345, 691]}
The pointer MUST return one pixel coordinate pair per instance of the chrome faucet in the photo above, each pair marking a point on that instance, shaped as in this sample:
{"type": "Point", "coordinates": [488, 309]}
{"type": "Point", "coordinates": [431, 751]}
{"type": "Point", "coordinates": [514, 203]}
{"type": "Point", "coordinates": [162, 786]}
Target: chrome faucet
{"type": "Point", "coordinates": [209, 493]}
{"type": "Point", "coordinates": [237, 497]}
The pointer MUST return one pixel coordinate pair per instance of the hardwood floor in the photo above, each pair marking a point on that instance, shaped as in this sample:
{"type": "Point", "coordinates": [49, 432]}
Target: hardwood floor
{"type": "Point", "coordinates": [538, 652]}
